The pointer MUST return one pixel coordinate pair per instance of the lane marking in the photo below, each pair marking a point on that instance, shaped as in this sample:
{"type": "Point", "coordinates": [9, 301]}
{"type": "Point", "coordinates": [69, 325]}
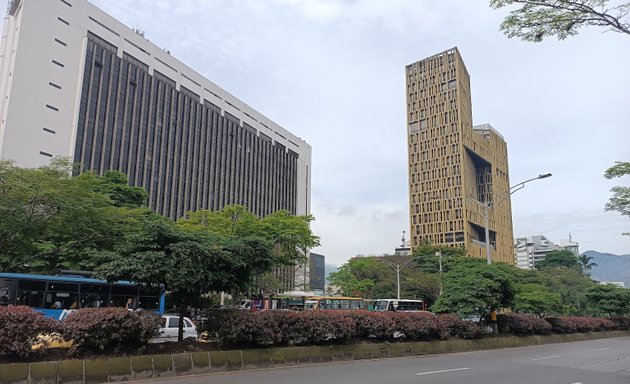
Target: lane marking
{"type": "Point", "coordinates": [442, 371]}
{"type": "Point", "coordinates": [579, 382]}
{"type": "Point", "coordinates": [597, 350]}
{"type": "Point", "coordinates": [546, 357]}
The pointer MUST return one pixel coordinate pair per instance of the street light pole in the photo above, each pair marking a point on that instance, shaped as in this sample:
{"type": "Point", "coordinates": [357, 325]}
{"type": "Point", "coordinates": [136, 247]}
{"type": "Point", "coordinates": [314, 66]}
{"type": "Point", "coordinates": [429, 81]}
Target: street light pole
{"type": "Point", "coordinates": [488, 206]}
{"type": "Point", "coordinates": [397, 268]}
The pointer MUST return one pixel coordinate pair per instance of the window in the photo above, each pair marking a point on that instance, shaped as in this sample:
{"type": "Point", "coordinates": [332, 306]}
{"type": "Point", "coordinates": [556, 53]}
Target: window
{"type": "Point", "coordinates": [45, 154]}
{"type": "Point", "coordinates": [66, 3]}
{"type": "Point", "coordinates": [63, 21]}
{"type": "Point", "coordinates": [49, 130]}
{"type": "Point", "coordinates": [173, 322]}
{"type": "Point", "coordinates": [58, 63]}
{"type": "Point", "coordinates": [61, 42]}
{"type": "Point", "coordinates": [62, 295]}
{"type": "Point", "coordinates": [54, 85]}
{"type": "Point", "coordinates": [94, 295]}
{"type": "Point", "coordinates": [30, 293]}
{"type": "Point", "coordinates": [51, 107]}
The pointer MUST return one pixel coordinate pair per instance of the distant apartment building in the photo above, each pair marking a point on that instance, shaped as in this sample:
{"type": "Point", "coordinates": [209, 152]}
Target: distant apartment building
{"type": "Point", "coordinates": [454, 167]}
{"type": "Point", "coordinates": [75, 82]}
{"type": "Point", "coordinates": [532, 249]}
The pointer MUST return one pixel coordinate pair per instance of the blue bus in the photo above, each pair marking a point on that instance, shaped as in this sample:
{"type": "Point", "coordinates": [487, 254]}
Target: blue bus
{"type": "Point", "coordinates": [55, 296]}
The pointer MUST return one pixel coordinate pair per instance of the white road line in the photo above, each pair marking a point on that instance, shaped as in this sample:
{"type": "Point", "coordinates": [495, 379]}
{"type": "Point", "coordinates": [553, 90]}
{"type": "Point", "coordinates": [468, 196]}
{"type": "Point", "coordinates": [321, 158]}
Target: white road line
{"type": "Point", "coordinates": [442, 371]}
{"type": "Point", "coordinates": [546, 357]}
{"type": "Point", "coordinates": [579, 382]}
{"type": "Point", "coordinates": [601, 349]}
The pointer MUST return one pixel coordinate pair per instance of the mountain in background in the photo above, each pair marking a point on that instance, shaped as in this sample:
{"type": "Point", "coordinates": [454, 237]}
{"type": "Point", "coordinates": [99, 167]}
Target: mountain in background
{"type": "Point", "coordinates": [610, 267]}
{"type": "Point", "coordinates": [328, 268]}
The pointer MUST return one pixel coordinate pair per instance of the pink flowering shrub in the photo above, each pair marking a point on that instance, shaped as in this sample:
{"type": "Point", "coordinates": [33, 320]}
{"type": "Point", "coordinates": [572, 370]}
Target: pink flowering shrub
{"type": "Point", "coordinates": [564, 324]}
{"type": "Point", "coordinates": [111, 329]}
{"type": "Point", "coordinates": [522, 324]}
{"type": "Point", "coordinates": [20, 327]}
{"type": "Point", "coordinates": [452, 326]}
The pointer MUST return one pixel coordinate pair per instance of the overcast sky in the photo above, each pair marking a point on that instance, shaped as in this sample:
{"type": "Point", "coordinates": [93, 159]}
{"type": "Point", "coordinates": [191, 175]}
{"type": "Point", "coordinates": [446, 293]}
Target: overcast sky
{"type": "Point", "coordinates": [332, 72]}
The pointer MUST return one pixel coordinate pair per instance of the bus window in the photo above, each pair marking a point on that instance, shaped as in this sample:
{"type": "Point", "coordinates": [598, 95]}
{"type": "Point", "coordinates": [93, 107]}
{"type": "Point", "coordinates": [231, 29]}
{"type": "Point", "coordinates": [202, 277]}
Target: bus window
{"type": "Point", "coordinates": [62, 295]}
{"type": "Point", "coordinates": [381, 305]}
{"type": "Point", "coordinates": [31, 293]}
{"type": "Point", "coordinates": [5, 292]}
{"type": "Point", "coordinates": [94, 295]}
{"type": "Point", "coordinates": [121, 293]}
{"type": "Point", "coordinates": [149, 302]}
{"type": "Point", "coordinates": [356, 304]}
{"type": "Point", "coordinates": [345, 304]}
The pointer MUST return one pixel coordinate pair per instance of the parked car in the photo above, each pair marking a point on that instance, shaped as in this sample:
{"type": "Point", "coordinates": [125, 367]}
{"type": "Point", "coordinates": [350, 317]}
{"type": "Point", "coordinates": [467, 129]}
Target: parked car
{"type": "Point", "coordinates": [170, 328]}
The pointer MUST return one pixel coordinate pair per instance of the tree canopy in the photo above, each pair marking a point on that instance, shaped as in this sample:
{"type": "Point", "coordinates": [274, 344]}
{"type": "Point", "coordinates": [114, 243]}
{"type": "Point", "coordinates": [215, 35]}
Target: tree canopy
{"type": "Point", "coordinates": [290, 235]}
{"type": "Point", "coordinates": [558, 259]}
{"type": "Point", "coordinates": [620, 199]}
{"type": "Point", "coordinates": [533, 20]}
{"type": "Point", "coordinates": [50, 220]}
{"type": "Point", "coordinates": [609, 299]}
{"type": "Point", "coordinates": [474, 287]}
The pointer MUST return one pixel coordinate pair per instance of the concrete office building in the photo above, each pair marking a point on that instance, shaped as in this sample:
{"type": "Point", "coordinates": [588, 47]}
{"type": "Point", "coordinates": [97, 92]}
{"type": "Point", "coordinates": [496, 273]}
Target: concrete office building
{"type": "Point", "coordinates": [76, 82]}
{"type": "Point", "coordinates": [454, 167]}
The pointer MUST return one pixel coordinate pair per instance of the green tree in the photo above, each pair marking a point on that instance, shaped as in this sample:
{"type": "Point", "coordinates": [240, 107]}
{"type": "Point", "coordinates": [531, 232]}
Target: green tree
{"type": "Point", "coordinates": [50, 220]}
{"type": "Point", "coordinates": [188, 265]}
{"type": "Point", "coordinates": [537, 299]}
{"type": "Point", "coordinates": [620, 200]}
{"type": "Point", "coordinates": [534, 20]}
{"type": "Point", "coordinates": [609, 299]}
{"type": "Point", "coordinates": [585, 263]}
{"type": "Point", "coordinates": [473, 287]}
{"type": "Point", "coordinates": [290, 234]}
{"type": "Point", "coordinates": [558, 259]}
{"type": "Point", "coordinates": [428, 257]}
{"type": "Point", "coordinates": [571, 284]}
{"type": "Point", "coordinates": [360, 276]}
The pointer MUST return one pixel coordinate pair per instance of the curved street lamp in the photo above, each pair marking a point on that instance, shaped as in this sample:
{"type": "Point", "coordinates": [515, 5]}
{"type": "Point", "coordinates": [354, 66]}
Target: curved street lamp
{"type": "Point", "coordinates": [488, 206]}
{"type": "Point", "coordinates": [397, 268]}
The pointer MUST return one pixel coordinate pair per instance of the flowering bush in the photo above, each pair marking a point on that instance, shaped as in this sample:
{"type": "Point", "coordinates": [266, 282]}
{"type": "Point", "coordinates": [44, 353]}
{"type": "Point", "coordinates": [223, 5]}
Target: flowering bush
{"type": "Point", "coordinates": [416, 326]}
{"type": "Point", "coordinates": [20, 327]}
{"type": "Point", "coordinates": [238, 327]}
{"type": "Point", "coordinates": [621, 322]}
{"type": "Point", "coordinates": [372, 325]}
{"type": "Point", "coordinates": [452, 326]}
{"type": "Point", "coordinates": [565, 324]}
{"type": "Point", "coordinates": [522, 324]}
{"type": "Point", "coordinates": [110, 329]}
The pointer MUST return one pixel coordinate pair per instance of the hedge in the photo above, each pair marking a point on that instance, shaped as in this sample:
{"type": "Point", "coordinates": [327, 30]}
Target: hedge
{"type": "Point", "coordinates": [522, 324]}
{"type": "Point", "coordinates": [20, 328]}
{"type": "Point", "coordinates": [109, 329]}
{"type": "Point", "coordinates": [231, 327]}
{"type": "Point", "coordinates": [564, 324]}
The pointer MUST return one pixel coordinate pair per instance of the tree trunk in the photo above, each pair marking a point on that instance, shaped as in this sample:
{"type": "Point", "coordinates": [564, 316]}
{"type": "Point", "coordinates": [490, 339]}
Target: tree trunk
{"type": "Point", "coordinates": [180, 331]}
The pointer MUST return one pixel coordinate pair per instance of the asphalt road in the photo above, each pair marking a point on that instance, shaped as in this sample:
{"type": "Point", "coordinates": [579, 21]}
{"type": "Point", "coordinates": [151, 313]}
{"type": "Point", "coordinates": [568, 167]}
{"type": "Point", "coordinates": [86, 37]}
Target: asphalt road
{"type": "Point", "coordinates": [603, 361]}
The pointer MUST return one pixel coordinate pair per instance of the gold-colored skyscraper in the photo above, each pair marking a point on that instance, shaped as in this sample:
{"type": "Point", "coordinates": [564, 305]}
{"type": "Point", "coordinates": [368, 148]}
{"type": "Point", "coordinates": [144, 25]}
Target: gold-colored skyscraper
{"type": "Point", "coordinates": [454, 168]}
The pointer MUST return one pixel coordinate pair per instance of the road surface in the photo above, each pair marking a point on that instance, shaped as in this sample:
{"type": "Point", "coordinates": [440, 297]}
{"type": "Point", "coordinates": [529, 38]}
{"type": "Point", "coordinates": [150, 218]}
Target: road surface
{"type": "Point", "coordinates": [603, 361]}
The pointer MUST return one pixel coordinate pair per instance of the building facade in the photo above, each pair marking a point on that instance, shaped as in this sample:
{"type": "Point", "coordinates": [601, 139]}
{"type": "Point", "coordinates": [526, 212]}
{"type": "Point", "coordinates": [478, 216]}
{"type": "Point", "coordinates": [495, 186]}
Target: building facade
{"type": "Point", "coordinates": [317, 272]}
{"type": "Point", "coordinates": [77, 83]}
{"type": "Point", "coordinates": [455, 168]}
{"type": "Point", "coordinates": [531, 249]}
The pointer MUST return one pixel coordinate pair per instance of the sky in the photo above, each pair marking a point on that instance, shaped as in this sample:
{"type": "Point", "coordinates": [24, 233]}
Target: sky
{"type": "Point", "coordinates": [332, 73]}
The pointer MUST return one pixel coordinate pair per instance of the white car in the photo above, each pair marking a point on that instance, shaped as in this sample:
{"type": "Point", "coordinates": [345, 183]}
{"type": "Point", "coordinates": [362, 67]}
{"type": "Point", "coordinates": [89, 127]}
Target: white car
{"type": "Point", "coordinates": [170, 328]}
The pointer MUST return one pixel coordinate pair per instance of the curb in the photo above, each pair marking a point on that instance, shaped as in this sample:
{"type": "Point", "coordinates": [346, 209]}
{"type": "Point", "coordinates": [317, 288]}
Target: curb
{"type": "Point", "coordinates": [120, 369]}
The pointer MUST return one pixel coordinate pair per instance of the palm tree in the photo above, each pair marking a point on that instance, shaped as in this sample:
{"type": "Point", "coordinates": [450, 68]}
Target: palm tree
{"type": "Point", "coordinates": [585, 262]}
